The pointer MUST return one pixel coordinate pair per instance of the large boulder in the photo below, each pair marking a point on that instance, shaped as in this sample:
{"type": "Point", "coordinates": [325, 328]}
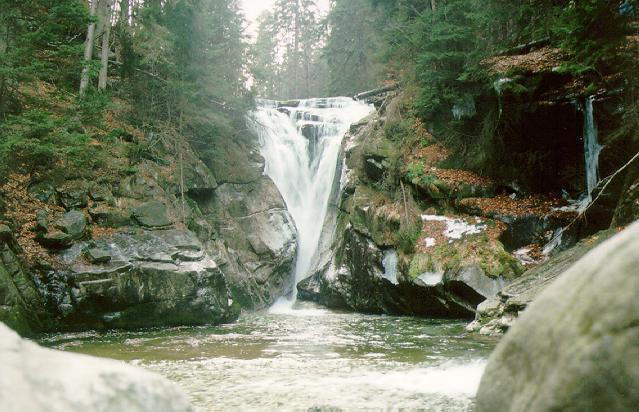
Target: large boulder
{"type": "Point", "coordinates": [36, 379]}
{"type": "Point", "coordinates": [355, 280]}
{"type": "Point", "coordinates": [72, 223]}
{"type": "Point", "coordinates": [366, 278]}
{"type": "Point", "coordinates": [576, 347]}
{"type": "Point", "coordinates": [138, 279]}
{"type": "Point", "coordinates": [255, 241]}
{"type": "Point", "coordinates": [152, 214]}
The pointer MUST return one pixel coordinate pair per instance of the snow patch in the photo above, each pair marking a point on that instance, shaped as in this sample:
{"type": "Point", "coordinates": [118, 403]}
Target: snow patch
{"type": "Point", "coordinates": [456, 228]}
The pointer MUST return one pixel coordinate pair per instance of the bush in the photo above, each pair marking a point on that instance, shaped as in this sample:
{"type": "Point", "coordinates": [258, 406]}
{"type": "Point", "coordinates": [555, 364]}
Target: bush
{"type": "Point", "coordinates": [37, 141]}
{"type": "Point", "coordinates": [407, 238]}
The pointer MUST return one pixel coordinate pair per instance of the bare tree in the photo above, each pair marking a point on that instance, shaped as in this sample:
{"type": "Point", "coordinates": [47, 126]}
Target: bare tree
{"type": "Point", "coordinates": [88, 50]}
{"type": "Point", "coordinates": [106, 31]}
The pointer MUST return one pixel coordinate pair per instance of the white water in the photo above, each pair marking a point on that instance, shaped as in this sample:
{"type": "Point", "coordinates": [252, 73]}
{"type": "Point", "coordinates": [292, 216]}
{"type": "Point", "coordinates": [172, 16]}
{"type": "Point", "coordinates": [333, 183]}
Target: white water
{"type": "Point", "coordinates": [301, 150]}
{"type": "Point", "coordinates": [591, 148]}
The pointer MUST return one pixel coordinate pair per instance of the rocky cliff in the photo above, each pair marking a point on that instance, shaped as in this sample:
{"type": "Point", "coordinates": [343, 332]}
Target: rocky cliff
{"type": "Point", "coordinates": [165, 240]}
{"type": "Point", "coordinates": [473, 213]}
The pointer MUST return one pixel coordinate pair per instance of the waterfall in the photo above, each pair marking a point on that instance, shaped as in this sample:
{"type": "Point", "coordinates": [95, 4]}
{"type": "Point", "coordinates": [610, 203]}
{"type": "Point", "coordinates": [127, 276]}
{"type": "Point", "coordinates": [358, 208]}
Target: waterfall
{"type": "Point", "coordinates": [591, 155]}
{"type": "Point", "coordinates": [591, 148]}
{"type": "Point", "coordinates": [300, 146]}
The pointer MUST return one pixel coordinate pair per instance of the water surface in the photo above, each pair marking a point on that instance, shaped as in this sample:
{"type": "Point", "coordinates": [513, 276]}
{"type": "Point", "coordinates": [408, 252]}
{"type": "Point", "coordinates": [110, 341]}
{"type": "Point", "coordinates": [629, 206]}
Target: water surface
{"type": "Point", "coordinates": [310, 357]}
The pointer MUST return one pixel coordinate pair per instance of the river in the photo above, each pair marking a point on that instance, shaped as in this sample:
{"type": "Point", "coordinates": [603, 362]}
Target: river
{"type": "Point", "coordinates": [308, 358]}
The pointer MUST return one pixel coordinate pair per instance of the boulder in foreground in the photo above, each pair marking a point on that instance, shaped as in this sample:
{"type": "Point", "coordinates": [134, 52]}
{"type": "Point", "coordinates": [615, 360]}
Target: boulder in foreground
{"type": "Point", "coordinates": [36, 379]}
{"type": "Point", "coordinates": [576, 347]}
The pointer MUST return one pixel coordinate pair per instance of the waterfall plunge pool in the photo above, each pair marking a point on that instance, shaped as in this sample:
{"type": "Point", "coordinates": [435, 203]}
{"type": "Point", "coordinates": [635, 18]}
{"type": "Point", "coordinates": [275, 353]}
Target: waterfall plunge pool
{"type": "Point", "coordinates": [309, 357]}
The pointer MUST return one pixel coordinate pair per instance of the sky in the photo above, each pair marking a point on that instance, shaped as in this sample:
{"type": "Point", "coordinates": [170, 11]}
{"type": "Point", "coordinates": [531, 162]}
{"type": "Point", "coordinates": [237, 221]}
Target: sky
{"type": "Point", "coordinates": [253, 8]}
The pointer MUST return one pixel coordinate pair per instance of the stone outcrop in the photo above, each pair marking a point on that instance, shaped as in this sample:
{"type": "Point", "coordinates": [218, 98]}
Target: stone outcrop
{"type": "Point", "coordinates": [21, 306]}
{"type": "Point", "coordinates": [369, 271]}
{"type": "Point", "coordinates": [256, 239]}
{"type": "Point", "coordinates": [36, 379]}
{"type": "Point", "coordinates": [497, 314]}
{"type": "Point", "coordinates": [132, 251]}
{"type": "Point", "coordinates": [138, 279]}
{"type": "Point", "coordinates": [576, 346]}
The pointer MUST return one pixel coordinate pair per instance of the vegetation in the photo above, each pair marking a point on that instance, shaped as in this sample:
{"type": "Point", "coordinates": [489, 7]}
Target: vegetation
{"type": "Point", "coordinates": [72, 71]}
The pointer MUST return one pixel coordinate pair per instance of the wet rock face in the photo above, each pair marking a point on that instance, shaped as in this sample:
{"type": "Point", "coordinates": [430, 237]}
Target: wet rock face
{"type": "Point", "coordinates": [21, 306]}
{"type": "Point", "coordinates": [257, 242]}
{"type": "Point", "coordinates": [497, 314]}
{"type": "Point", "coordinates": [152, 215]}
{"type": "Point", "coordinates": [141, 279]}
{"type": "Point", "coordinates": [576, 347]}
{"type": "Point", "coordinates": [36, 379]}
{"type": "Point", "coordinates": [358, 279]}
{"type": "Point", "coordinates": [355, 281]}
{"type": "Point", "coordinates": [445, 280]}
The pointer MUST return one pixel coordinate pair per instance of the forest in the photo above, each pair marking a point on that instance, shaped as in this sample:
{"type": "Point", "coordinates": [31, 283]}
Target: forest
{"type": "Point", "coordinates": [336, 205]}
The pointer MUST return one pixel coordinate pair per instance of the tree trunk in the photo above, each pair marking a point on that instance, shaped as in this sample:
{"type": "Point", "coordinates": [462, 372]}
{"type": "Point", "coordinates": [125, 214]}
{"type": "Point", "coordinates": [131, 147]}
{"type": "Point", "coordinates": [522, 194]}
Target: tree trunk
{"type": "Point", "coordinates": [88, 50]}
{"type": "Point", "coordinates": [433, 5]}
{"type": "Point", "coordinates": [104, 67]}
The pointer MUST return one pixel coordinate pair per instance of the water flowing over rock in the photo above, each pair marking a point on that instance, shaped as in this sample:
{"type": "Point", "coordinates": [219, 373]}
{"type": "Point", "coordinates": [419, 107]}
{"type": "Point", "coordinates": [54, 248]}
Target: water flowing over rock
{"type": "Point", "coordinates": [301, 147]}
{"type": "Point", "coordinates": [576, 347]}
{"type": "Point", "coordinates": [35, 379]}
{"type": "Point", "coordinates": [366, 271]}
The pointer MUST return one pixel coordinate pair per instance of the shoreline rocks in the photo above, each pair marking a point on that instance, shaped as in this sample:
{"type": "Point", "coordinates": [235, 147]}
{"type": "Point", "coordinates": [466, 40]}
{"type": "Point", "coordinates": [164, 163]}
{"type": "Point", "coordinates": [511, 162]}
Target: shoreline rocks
{"type": "Point", "coordinates": [37, 379]}
{"type": "Point", "coordinates": [576, 346]}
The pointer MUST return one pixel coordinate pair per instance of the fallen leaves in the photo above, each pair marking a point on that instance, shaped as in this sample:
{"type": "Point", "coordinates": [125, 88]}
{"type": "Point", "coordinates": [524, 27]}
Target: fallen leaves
{"type": "Point", "coordinates": [21, 210]}
{"type": "Point", "coordinates": [536, 61]}
{"type": "Point", "coordinates": [506, 205]}
{"type": "Point", "coordinates": [459, 176]}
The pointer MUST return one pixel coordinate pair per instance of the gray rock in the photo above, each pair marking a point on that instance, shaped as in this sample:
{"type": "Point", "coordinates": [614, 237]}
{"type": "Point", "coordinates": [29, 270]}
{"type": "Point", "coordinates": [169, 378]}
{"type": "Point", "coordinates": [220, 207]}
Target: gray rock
{"type": "Point", "coordinates": [470, 280]}
{"type": "Point", "coordinates": [152, 214]}
{"type": "Point", "coordinates": [36, 379]}
{"type": "Point", "coordinates": [108, 216]}
{"type": "Point", "coordinates": [145, 278]}
{"type": "Point", "coordinates": [101, 193]}
{"type": "Point", "coordinates": [354, 280]}
{"type": "Point", "coordinates": [42, 221]}
{"type": "Point", "coordinates": [74, 195]}
{"type": "Point", "coordinates": [72, 223]}
{"type": "Point", "coordinates": [43, 192]}
{"type": "Point", "coordinates": [56, 240]}
{"type": "Point", "coordinates": [21, 306]}
{"type": "Point", "coordinates": [98, 255]}
{"type": "Point", "coordinates": [257, 240]}
{"type": "Point", "coordinates": [576, 347]}
{"type": "Point", "coordinates": [516, 296]}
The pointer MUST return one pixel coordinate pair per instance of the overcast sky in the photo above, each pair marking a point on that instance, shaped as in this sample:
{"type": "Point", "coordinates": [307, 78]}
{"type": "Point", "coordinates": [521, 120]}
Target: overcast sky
{"type": "Point", "coordinates": [253, 8]}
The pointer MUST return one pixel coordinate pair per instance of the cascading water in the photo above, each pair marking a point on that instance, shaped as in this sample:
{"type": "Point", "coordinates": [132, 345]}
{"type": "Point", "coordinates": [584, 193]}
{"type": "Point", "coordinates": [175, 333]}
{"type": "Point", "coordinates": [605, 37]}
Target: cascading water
{"type": "Point", "coordinates": [300, 146]}
{"type": "Point", "coordinates": [591, 149]}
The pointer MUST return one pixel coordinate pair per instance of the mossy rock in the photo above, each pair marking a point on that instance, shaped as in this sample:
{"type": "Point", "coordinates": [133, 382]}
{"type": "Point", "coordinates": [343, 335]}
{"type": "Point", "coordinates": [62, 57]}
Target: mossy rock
{"type": "Point", "coordinates": [378, 221]}
{"type": "Point", "coordinates": [152, 215]}
{"type": "Point", "coordinates": [107, 216]}
{"type": "Point", "coordinates": [479, 250]}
